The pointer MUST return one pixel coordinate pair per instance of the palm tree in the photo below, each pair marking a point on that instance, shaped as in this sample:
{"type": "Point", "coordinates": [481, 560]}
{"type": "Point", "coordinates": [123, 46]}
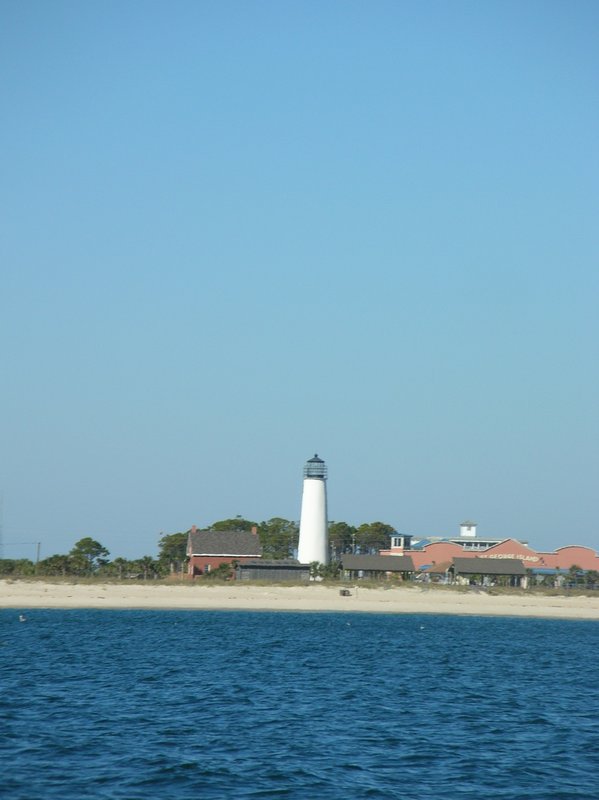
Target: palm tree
{"type": "Point", "coordinates": [574, 574]}
{"type": "Point", "coordinates": [119, 564]}
{"type": "Point", "coordinates": [147, 564]}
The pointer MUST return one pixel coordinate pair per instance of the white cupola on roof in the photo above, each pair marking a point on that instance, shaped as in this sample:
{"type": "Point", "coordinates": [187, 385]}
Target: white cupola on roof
{"type": "Point", "coordinates": [468, 530]}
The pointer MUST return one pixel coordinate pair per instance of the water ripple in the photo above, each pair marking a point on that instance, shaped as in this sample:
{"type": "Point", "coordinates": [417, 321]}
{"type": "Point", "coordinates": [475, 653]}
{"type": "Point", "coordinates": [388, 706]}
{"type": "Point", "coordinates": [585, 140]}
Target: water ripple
{"type": "Point", "coordinates": [124, 705]}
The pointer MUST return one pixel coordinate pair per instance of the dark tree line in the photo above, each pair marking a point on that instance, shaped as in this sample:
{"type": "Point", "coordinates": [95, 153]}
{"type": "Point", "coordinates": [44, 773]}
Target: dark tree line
{"type": "Point", "coordinates": [87, 558]}
{"type": "Point", "coordinates": [278, 537]}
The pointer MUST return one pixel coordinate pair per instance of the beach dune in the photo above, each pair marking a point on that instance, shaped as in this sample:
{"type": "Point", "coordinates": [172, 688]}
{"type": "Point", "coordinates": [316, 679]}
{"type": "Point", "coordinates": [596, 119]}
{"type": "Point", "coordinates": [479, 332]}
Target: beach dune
{"type": "Point", "coordinates": [24, 595]}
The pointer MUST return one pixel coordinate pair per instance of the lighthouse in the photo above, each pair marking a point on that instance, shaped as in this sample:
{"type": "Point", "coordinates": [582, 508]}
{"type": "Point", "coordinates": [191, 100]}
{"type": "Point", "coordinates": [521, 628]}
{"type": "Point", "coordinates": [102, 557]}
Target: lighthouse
{"type": "Point", "coordinates": [313, 533]}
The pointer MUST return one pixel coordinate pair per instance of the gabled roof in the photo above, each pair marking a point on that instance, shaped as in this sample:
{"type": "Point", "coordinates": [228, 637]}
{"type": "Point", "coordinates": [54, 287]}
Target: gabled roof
{"type": "Point", "coordinates": [224, 543]}
{"type": "Point", "coordinates": [378, 563]}
{"type": "Point", "coordinates": [511, 545]}
{"type": "Point", "coordinates": [489, 566]}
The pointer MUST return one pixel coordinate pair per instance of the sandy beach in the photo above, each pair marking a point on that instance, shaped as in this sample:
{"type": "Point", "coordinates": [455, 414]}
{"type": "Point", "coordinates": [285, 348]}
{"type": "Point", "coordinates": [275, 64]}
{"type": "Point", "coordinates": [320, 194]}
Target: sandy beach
{"type": "Point", "coordinates": [24, 595]}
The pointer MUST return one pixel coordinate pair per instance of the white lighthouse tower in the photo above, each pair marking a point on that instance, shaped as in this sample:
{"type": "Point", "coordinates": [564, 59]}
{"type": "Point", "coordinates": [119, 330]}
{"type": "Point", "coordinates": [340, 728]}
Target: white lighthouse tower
{"type": "Point", "coordinates": [313, 533]}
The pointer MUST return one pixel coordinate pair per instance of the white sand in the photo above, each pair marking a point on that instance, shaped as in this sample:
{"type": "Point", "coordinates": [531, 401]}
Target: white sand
{"type": "Point", "coordinates": [24, 595]}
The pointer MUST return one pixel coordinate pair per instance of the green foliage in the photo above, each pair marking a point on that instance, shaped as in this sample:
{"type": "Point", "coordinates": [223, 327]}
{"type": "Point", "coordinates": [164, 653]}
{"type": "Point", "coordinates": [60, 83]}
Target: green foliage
{"type": "Point", "coordinates": [592, 578]}
{"type": "Point", "coordinates": [120, 568]}
{"type": "Point", "coordinates": [325, 571]}
{"type": "Point", "coordinates": [330, 571]}
{"type": "Point", "coordinates": [548, 581]}
{"type": "Point", "coordinates": [17, 567]}
{"type": "Point", "coordinates": [237, 524]}
{"type": "Point", "coordinates": [575, 576]}
{"type": "Point", "coordinates": [279, 537]}
{"type": "Point", "coordinates": [223, 572]}
{"type": "Point", "coordinates": [55, 565]}
{"type": "Point", "coordinates": [148, 567]}
{"type": "Point", "coordinates": [315, 567]}
{"type": "Point", "coordinates": [87, 556]}
{"type": "Point", "coordinates": [341, 537]}
{"type": "Point", "coordinates": [172, 552]}
{"type": "Point", "coordinates": [373, 536]}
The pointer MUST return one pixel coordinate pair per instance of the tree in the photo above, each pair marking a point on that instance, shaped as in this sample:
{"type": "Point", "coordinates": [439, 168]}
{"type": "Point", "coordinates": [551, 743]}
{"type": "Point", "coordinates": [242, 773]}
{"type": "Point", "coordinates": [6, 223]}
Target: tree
{"type": "Point", "coordinates": [373, 536]}
{"type": "Point", "coordinates": [330, 571]}
{"type": "Point", "coordinates": [55, 565]}
{"type": "Point", "coordinates": [119, 565]}
{"type": "Point", "coordinates": [148, 566]}
{"type": "Point", "coordinates": [16, 566]}
{"type": "Point", "coordinates": [575, 574]}
{"type": "Point", "coordinates": [315, 568]}
{"type": "Point", "coordinates": [87, 555]}
{"type": "Point", "coordinates": [237, 524]}
{"type": "Point", "coordinates": [325, 571]}
{"type": "Point", "coordinates": [592, 577]}
{"type": "Point", "coordinates": [278, 537]}
{"type": "Point", "coordinates": [341, 537]}
{"type": "Point", "coordinates": [172, 551]}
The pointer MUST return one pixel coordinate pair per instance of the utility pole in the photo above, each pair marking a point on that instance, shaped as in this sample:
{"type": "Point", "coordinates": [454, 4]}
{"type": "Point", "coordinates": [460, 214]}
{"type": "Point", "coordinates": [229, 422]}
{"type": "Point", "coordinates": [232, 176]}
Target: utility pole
{"type": "Point", "coordinates": [38, 546]}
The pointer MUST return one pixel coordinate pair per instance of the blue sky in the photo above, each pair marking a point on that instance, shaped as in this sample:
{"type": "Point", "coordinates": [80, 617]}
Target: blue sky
{"type": "Point", "coordinates": [238, 233]}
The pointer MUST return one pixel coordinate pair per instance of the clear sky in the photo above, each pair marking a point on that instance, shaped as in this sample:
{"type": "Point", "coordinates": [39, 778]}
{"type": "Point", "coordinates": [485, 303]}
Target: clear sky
{"type": "Point", "coordinates": [234, 234]}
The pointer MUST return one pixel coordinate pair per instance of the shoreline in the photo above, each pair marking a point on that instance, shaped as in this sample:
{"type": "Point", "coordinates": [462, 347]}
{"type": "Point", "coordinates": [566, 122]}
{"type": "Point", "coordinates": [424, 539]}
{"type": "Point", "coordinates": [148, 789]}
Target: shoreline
{"type": "Point", "coordinates": [27, 595]}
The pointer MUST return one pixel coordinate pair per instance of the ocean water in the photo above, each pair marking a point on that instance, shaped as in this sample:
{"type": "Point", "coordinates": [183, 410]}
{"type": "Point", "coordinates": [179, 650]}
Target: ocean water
{"type": "Point", "coordinates": [177, 705]}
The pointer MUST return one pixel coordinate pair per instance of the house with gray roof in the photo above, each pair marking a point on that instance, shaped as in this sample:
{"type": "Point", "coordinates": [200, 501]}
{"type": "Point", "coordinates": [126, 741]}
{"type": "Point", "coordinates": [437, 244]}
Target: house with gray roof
{"type": "Point", "coordinates": [208, 549]}
{"type": "Point", "coordinates": [488, 570]}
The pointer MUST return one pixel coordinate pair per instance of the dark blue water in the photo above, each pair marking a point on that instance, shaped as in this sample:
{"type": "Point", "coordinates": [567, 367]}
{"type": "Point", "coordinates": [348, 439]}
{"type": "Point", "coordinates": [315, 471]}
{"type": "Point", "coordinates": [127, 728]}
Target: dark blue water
{"type": "Point", "coordinates": [177, 705]}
